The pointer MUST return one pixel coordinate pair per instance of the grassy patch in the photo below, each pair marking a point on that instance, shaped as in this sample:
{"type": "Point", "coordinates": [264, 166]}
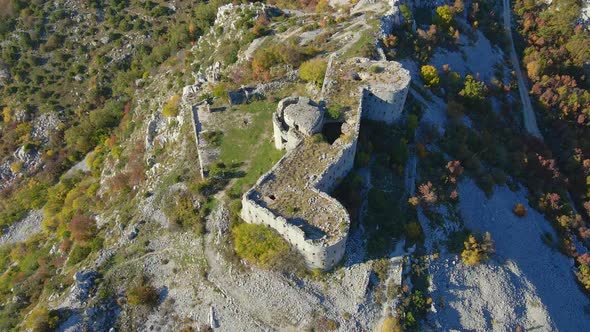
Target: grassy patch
{"type": "Point", "coordinates": [238, 143]}
{"type": "Point", "coordinates": [250, 148]}
{"type": "Point", "coordinates": [259, 245]}
{"type": "Point", "coordinates": [363, 47]}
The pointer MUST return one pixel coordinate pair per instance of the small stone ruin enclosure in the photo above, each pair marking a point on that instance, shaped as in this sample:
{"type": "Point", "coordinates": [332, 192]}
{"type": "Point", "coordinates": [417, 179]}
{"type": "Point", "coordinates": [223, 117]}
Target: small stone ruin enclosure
{"type": "Point", "coordinates": [292, 197]}
{"type": "Point", "coordinates": [295, 119]}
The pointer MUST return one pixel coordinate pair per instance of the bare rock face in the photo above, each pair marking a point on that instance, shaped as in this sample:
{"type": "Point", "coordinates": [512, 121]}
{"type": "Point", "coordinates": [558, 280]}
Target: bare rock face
{"type": "Point", "coordinates": [84, 282]}
{"type": "Point", "coordinates": [22, 116]}
{"type": "Point", "coordinates": [4, 73]}
{"type": "Point", "coordinates": [214, 72]}
{"type": "Point", "coordinates": [44, 126]}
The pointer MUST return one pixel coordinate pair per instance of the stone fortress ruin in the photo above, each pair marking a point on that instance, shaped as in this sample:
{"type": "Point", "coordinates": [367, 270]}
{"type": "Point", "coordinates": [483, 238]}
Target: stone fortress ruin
{"type": "Point", "coordinates": [292, 197]}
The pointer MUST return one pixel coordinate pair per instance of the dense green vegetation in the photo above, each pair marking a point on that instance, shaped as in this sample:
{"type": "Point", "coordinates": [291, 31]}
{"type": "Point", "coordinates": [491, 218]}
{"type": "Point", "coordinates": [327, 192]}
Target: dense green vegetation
{"type": "Point", "coordinates": [145, 295]}
{"type": "Point", "coordinates": [84, 79]}
{"type": "Point", "coordinates": [83, 73]}
{"type": "Point", "coordinates": [556, 52]}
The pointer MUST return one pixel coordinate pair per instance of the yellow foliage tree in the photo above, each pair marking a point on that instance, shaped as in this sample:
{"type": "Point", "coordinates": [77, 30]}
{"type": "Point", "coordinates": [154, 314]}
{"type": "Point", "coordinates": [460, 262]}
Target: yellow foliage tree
{"type": "Point", "coordinates": [322, 7]}
{"type": "Point", "coordinates": [533, 69]}
{"type": "Point", "coordinates": [444, 15]}
{"type": "Point", "coordinates": [7, 114]}
{"type": "Point", "coordinates": [430, 76]}
{"type": "Point", "coordinates": [476, 251]}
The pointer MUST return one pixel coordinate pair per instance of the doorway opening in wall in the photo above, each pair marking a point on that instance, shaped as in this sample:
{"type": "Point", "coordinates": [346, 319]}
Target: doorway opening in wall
{"type": "Point", "coordinates": [331, 131]}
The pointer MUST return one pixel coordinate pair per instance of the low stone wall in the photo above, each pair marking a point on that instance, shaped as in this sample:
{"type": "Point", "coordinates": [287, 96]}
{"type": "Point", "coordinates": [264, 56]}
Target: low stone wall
{"type": "Point", "coordinates": [193, 109]}
{"type": "Point", "coordinates": [316, 255]}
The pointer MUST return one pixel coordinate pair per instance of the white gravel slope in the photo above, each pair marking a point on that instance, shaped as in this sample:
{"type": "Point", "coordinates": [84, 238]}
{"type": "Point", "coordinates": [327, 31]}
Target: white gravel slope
{"type": "Point", "coordinates": [524, 269]}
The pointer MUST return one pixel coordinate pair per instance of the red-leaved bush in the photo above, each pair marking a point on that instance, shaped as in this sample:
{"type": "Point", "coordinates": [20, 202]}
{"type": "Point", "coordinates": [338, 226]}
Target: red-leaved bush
{"type": "Point", "coordinates": [427, 194]}
{"type": "Point", "coordinates": [82, 228]}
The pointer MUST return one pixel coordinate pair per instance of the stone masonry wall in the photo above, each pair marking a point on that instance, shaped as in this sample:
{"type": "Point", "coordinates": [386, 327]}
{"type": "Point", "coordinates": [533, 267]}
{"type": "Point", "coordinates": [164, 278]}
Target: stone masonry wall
{"type": "Point", "coordinates": [345, 161]}
{"type": "Point", "coordinates": [384, 104]}
{"type": "Point", "coordinates": [316, 255]}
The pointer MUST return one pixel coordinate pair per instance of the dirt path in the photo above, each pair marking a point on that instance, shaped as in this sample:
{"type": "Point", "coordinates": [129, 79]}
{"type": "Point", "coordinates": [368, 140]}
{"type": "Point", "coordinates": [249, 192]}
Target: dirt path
{"type": "Point", "coordinates": [530, 122]}
{"type": "Point", "coordinates": [410, 176]}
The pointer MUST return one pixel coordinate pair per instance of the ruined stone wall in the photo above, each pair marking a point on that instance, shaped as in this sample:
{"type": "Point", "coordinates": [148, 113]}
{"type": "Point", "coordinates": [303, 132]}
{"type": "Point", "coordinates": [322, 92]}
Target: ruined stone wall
{"type": "Point", "coordinates": [284, 138]}
{"type": "Point", "coordinates": [316, 254]}
{"type": "Point", "coordinates": [193, 110]}
{"type": "Point", "coordinates": [345, 161]}
{"type": "Point", "coordinates": [279, 134]}
{"type": "Point", "coordinates": [384, 104]}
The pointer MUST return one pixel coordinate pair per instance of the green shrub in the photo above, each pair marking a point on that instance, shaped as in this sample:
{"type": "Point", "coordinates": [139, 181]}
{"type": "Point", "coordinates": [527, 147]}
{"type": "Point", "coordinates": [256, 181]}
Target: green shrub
{"type": "Point", "coordinates": [213, 137]}
{"type": "Point", "coordinates": [334, 112]}
{"type": "Point", "coordinates": [41, 320]}
{"type": "Point", "coordinates": [181, 211]}
{"type": "Point", "coordinates": [288, 53]}
{"type": "Point", "coordinates": [170, 109]}
{"type": "Point", "coordinates": [259, 244]}
{"type": "Point", "coordinates": [143, 295]}
{"type": "Point", "coordinates": [413, 230]}
{"type": "Point", "coordinates": [220, 91]}
{"type": "Point", "coordinates": [93, 129]}
{"type": "Point", "coordinates": [313, 71]}
{"type": "Point", "coordinates": [4, 257]}
{"type": "Point", "coordinates": [376, 69]}
{"type": "Point", "coordinates": [473, 89]}
{"type": "Point", "coordinates": [78, 254]}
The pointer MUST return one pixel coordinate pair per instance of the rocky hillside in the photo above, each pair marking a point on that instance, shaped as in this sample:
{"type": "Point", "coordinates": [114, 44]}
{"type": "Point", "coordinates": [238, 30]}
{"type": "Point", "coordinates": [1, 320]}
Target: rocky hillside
{"type": "Point", "coordinates": [108, 223]}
